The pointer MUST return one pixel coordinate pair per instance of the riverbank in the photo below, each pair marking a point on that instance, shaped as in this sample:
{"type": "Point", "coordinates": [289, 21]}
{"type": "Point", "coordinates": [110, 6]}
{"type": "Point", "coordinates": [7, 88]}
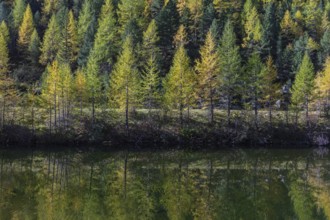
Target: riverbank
{"type": "Point", "coordinates": [157, 129]}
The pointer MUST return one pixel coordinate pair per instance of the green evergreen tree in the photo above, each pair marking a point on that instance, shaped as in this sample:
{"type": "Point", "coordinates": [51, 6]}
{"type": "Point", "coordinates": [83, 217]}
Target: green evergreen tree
{"type": "Point", "coordinates": [124, 81]}
{"type": "Point", "coordinates": [253, 82]}
{"type": "Point", "coordinates": [303, 86]}
{"type": "Point", "coordinates": [68, 47]}
{"type": "Point", "coordinates": [207, 68]}
{"type": "Point", "coordinates": [253, 30]}
{"type": "Point", "coordinates": [93, 84]}
{"type": "Point", "coordinates": [50, 42]}
{"type": "Point", "coordinates": [18, 12]}
{"type": "Point", "coordinates": [230, 66]}
{"type": "Point", "coordinates": [325, 47]}
{"type": "Point", "coordinates": [86, 16]}
{"type": "Point", "coordinates": [150, 88]}
{"type": "Point", "coordinates": [180, 83]}
{"type": "Point", "coordinates": [131, 10]}
{"type": "Point", "coordinates": [167, 23]}
{"type": "Point", "coordinates": [106, 39]}
{"type": "Point", "coordinates": [150, 44]}
{"type": "Point", "coordinates": [269, 37]}
{"type": "Point", "coordinates": [87, 44]}
{"type": "Point", "coordinates": [34, 47]}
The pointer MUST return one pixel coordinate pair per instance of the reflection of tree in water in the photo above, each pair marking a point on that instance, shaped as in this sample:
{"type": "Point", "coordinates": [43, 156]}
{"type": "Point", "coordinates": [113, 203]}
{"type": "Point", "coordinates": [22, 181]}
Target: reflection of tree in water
{"type": "Point", "coordinates": [235, 184]}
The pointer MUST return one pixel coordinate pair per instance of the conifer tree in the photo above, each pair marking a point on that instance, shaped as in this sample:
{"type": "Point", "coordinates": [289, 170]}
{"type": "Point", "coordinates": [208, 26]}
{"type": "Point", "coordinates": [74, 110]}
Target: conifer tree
{"type": "Point", "coordinates": [303, 86]}
{"type": "Point", "coordinates": [5, 31]}
{"type": "Point", "coordinates": [87, 44]}
{"type": "Point", "coordinates": [269, 36]}
{"type": "Point", "coordinates": [34, 45]}
{"type": "Point", "coordinates": [289, 28]}
{"type": "Point", "coordinates": [131, 10]}
{"type": "Point", "coordinates": [105, 45]}
{"type": "Point", "coordinates": [80, 85]}
{"type": "Point", "coordinates": [180, 83]}
{"type": "Point", "coordinates": [325, 47]}
{"type": "Point", "coordinates": [230, 66]}
{"type": "Point", "coordinates": [253, 29]}
{"type": "Point", "coordinates": [150, 42]}
{"type": "Point", "coordinates": [50, 91]}
{"type": "Point", "coordinates": [150, 88]}
{"type": "Point", "coordinates": [93, 84]}
{"type": "Point", "coordinates": [270, 87]}
{"type": "Point", "coordinates": [26, 29]}
{"type": "Point", "coordinates": [18, 12]}
{"type": "Point", "coordinates": [50, 42]}
{"type": "Point", "coordinates": [68, 47]}
{"type": "Point", "coordinates": [167, 23]}
{"type": "Point", "coordinates": [253, 82]}
{"type": "Point", "coordinates": [4, 56]}
{"type": "Point", "coordinates": [85, 18]}
{"type": "Point", "coordinates": [322, 87]}
{"type": "Point", "coordinates": [207, 68]}
{"type": "Point", "coordinates": [124, 81]}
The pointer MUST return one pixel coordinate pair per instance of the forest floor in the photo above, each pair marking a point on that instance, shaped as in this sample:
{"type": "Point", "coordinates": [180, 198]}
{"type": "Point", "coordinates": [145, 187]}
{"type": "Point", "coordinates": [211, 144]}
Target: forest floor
{"type": "Point", "coordinates": [159, 129]}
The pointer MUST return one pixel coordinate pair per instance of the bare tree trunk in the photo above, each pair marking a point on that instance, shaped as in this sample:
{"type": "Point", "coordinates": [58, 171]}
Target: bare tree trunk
{"type": "Point", "coordinates": [126, 111]}
{"type": "Point", "coordinates": [228, 108]}
{"type": "Point", "coordinates": [125, 175]}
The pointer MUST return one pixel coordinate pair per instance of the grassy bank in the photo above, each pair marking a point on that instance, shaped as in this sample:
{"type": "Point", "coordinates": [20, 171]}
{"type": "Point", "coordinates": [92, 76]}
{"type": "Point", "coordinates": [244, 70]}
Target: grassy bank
{"type": "Point", "coordinates": [159, 129]}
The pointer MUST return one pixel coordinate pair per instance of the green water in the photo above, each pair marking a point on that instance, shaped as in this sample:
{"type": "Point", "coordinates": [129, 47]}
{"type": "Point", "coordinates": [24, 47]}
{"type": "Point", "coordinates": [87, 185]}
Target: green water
{"type": "Point", "coordinates": [235, 184]}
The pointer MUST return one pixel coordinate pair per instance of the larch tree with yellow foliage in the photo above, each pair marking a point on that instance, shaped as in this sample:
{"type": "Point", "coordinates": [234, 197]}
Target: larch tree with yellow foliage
{"type": "Point", "coordinates": [125, 82]}
{"type": "Point", "coordinates": [80, 85]}
{"type": "Point", "coordinates": [323, 86]}
{"type": "Point", "coordinates": [207, 68]}
{"type": "Point", "coordinates": [25, 30]}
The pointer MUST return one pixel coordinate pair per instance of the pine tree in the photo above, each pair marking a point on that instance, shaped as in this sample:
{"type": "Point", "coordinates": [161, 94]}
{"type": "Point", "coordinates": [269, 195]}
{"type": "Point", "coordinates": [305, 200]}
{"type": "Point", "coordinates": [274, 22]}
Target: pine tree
{"type": "Point", "coordinates": [26, 29]}
{"type": "Point", "coordinates": [87, 44]}
{"type": "Point", "coordinates": [85, 18]}
{"type": "Point", "coordinates": [230, 66]}
{"type": "Point", "coordinates": [322, 87]}
{"type": "Point", "coordinates": [5, 31]}
{"type": "Point", "coordinates": [180, 83]}
{"type": "Point", "coordinates": [34, 51]}
{"type": "Point", "coordinates": [150, 42]}
{"type": "Point", "coordinates": [289, 28]}
{"type": "Point", "coordinates": [68, 47]}
{"type": "Point", "coordinates": [253, 82]}
{"type": "Point", "coordinates": [207, 68]}
{"type": "Point", "coordinates": [4, 56]}
{"type": "Point", "coordinates": [105, 45]}
{"type": "Point", "coordinates": [270, 88]}
{"type": "Point", "coordinates": [131, 10]}
{"type": "Point", "coordinates": [303, 85]}
{"type": "Point", "coordinates": [50, 7]}
{"type": "Point", "coordinates": [124, 81]}
{"type": "Point", "coordinates": [167, 23]}
{"type": "Point", "coordinates": [325, 47]}
{"type": "Point", "coordinates": [80, 86]}
{"type": "Point", "coordinates": [50, 42]}
{"type": "Point", "coordinates": [93, 83]}
{"type": "Point", "coordinates": [50, 91]}
{"type": "Point", "coordinates": [150, 88]}
{"type": "Point", "coordinates": [253, 29]}
{"type": "Point", "coordinates": [269, 36]}
{"type": "Point", "coordinates": [18, 12]}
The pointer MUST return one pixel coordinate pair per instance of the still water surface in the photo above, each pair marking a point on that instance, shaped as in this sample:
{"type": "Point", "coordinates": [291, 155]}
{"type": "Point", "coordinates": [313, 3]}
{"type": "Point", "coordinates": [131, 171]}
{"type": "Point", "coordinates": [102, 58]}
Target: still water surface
{"type": "Point", "coordinates": [235, 184]}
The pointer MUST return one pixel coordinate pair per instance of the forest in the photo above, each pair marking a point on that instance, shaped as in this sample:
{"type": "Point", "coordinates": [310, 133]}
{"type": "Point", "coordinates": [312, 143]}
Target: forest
{"type": "Point", "coordinates": [159, 72]}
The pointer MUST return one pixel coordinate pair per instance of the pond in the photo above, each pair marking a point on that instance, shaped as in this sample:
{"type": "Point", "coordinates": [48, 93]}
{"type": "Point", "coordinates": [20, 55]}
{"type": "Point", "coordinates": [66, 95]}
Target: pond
{"type": "Point", "coordinates": [232, 184]}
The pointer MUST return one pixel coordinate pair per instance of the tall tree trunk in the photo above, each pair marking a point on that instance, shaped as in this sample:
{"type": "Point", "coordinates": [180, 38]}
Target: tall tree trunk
{"type": "Point", "coordinates": [93, 110]}
{"type": "Point", "coordinates": [126, 111]}
{"type": "Point", "coordinates": [270, 112]}
{"type": "Point", "coordinates": [307, 111]}
{"type": "Point", "coordinates": [3, 111]}
{"type": "Point", "coordinates": [228, 108]}
{"type": "Point", "coordinates": [125, 175]}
